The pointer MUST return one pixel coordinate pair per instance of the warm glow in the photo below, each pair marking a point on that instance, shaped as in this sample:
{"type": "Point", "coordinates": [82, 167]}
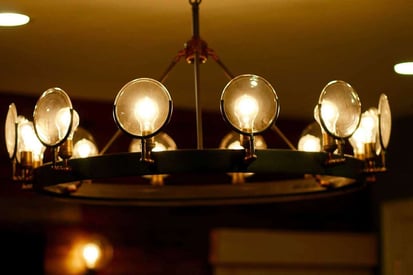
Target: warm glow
{"type": "Point", "coordinates": [62, 120]}
{"type": "Point", "coordinates": [91, 254]}
{"type": "Point", "coordinates": [246, 110]}
{"type": "Point", "coordinates": [27, 136]}
{"type": "Point", "coordinates": [9, 19]}
{"type": "Point", "coordinates": [146, 112]}
{"type": "Point", "coordinates": [329, 114]}
{"type": "Point", "coordinates": [159, 147]}
{"type": "Point", "coordinates": [329, 111]}
{"type": "Point", "coordinates": [135, 146]}
{"type": "Point", "coordinates": [309, 143]}
{"type": "Point", "coordinates": [28, 140]}
{"type": "Point", "coordinates": [405, 68]}
{"type": "Point", "coordinates": [235, 145]}
{"type": "Point", "coordinates": [368, 126]}
{"type": "Point", "coordinates": [366, 132]}
{"type": "Point", "coordinates": [84, 148]}
{"type": "Point", "coordinates": [75, 124]}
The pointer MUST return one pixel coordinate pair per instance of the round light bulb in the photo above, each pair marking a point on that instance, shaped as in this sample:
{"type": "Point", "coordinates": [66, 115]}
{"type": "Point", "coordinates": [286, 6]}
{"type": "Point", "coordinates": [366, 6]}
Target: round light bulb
{"type": "Point", "coordinates": [28, 141]}
{"type": "Point", "coordinates": [52, 117]}
{"type": "Point", "coordinates": [311, 137]}
{"type": "Point", "coordinates": [249, 104]}
{"type": "Point", "coordinates": [329, 113]}
{"type": "Point", "coordinates": [339, 109]}
{"type": "Point", "coordinates": [146, 111]}
{"type": "Point", "coordinates": [236, 145]}
{"type": "Point", "coordinates": [63, 120]}
{"type": "Point", "coordinates": [27, 137]}
{"type": "Point", "coordinates": [369, 123]}
{"type": "Point", "coordinates": [142, 107]}
{"type": "Point", "coordinates": [366, 132]}
{"type": "Point", "coordinates": [84, 148]}
{"type": "Point", "coordinates": [91, 254]}
{"type": "Point", "coordinates": [309, 143]}
{"type": "Point", "coordinates": [246, 110]}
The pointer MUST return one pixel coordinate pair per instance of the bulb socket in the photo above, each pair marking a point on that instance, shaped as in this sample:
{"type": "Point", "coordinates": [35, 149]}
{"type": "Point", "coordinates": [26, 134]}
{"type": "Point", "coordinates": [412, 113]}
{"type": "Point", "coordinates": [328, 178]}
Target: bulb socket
{"type": "Point", "coordinates": [329, 144]}
{"type": "Point", "coordinates": [369, 151]}
{"type": "Point", "coordinates": [26, 159]}
{"type": "Point", "coordinates": [66, 149]}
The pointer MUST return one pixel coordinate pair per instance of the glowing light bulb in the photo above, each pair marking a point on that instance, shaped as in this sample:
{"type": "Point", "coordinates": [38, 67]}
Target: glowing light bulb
{"type": "Point", "coordinates": [329, 114]}
{"type": "Point", "coordinates": [159, 147]}
{"type": "Point", "coordinates": [84, 148]}
{"type": "Point", "coordinates": [63, 118]}
{"type": "Point", "coordinates": [27, 136]}
{"type": "Point", "coordinates": [75, 124]}
{"type": "Point", "coordinates": [309, 143]}
{"type": "Point", "coordinates": [246, 110]}
{"type": "Point", "coordinates": [146, 112]}
{"type": "Point", "coordinates": [235, 145]}
{"type": "Point", "coordinates": [28, 143]}
{"type": "Point", "coordinates": [91, 254]}
{"type": "Point", "coordinates": [369, 123]}
{"type": "Point", "coordinates": [366, 132]}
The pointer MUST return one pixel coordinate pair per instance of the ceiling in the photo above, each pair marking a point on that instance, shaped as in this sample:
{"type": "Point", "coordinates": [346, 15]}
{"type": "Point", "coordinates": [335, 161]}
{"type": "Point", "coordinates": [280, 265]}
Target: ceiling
{"type": "Point", "coordinates": [92, 48]}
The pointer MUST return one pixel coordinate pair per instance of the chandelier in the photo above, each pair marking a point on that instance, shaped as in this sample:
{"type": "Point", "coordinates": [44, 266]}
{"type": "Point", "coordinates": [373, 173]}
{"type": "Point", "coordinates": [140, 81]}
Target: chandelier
{"type": "Point", "coordinates": [242, 170]}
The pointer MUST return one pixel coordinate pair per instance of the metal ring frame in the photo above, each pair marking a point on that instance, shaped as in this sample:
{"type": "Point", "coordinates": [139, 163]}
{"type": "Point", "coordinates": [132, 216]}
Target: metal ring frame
{"type": "Point", "coordinates": [296, 175]}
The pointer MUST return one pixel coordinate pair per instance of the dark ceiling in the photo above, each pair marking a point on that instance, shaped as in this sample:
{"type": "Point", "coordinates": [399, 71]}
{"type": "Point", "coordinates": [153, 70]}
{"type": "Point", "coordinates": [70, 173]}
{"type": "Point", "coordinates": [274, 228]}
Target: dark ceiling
{"type": "Point", "coordinates": [91, 49]}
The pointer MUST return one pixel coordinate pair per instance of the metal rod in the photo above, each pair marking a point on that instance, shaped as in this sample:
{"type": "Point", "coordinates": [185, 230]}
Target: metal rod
{"type": "Point", "coordinates": [176, 59]}
{"type": "Point", "coordinates": [195, 17]}
{"type": "Point", "coordinates": [281, 134]}
{"type": "Point", "coordinates": [214, 56]}
{"type": "Point", "coordinates": [198, 109]}
{"type": "Point", "coordinates": [112, 139]}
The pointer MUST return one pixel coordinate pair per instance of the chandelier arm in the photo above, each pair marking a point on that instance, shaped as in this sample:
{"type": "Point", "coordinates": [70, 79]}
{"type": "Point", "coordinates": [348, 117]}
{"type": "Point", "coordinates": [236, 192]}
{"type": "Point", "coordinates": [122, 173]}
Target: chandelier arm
{"type": "Point", "coordinates": [215, 57]}
{"type": "Point", "coordinates": [283, 137]}
{"type": "Point", "coordinates": [175, 60]}
{"type": "Point", "coordinates": [111, 141]}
